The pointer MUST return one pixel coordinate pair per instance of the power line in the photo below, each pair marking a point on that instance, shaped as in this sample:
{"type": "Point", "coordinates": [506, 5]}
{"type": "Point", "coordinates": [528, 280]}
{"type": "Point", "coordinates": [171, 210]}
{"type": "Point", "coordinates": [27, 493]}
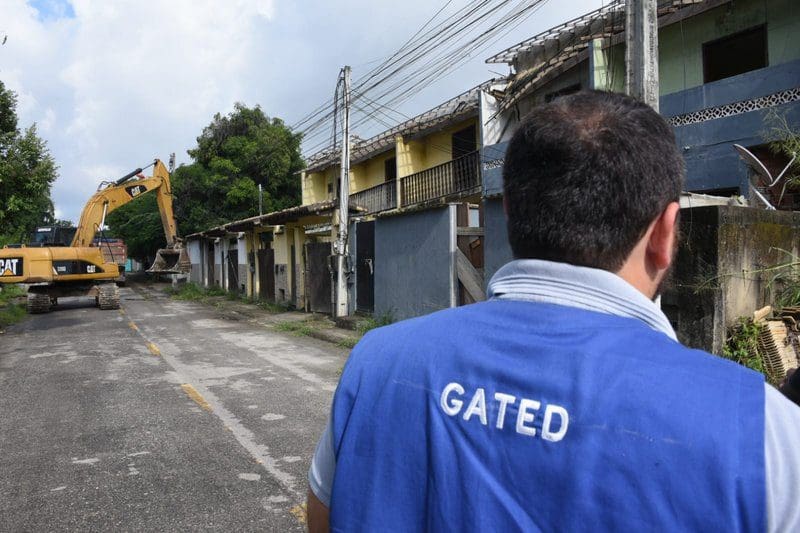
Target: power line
{"type": "Point", "coordinates": [451, 54]}
{"type": "Point", "coordinates": [414, 50]}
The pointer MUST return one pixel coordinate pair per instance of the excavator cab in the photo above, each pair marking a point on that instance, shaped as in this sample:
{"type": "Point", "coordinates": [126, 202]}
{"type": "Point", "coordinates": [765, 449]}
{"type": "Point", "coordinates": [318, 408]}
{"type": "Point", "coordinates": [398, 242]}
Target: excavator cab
{"type": "Point", "coordinates": [52, 236]}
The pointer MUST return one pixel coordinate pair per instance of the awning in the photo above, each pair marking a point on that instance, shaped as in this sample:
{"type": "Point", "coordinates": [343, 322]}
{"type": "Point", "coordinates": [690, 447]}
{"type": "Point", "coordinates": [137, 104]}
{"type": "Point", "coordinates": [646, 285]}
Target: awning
{"type": "Point", "coordinates": [292, 214]}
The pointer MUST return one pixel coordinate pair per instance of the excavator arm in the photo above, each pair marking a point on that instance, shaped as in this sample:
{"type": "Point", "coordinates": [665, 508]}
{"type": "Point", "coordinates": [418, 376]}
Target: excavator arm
{"type": "Point", "coordinates": [173, 258]}
{"type": "Point", "coordinates": [119, 193]}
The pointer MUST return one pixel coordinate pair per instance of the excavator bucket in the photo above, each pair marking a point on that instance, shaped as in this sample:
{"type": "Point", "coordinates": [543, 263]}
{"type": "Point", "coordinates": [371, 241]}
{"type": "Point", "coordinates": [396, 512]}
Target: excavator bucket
{"type": "Point", "coordinates": [171, 261]}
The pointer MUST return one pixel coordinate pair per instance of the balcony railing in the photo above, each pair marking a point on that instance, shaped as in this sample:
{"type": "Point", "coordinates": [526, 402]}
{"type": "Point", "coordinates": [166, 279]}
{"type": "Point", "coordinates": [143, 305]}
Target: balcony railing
{"type": "Point", "coordinates": [457, 177]}
{"type": "Point", "coordinates": [376, 199]}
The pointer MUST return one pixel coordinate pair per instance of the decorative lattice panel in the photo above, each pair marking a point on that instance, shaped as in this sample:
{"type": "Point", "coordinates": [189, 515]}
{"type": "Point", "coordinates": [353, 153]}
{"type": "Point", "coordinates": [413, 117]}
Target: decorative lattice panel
{"type": "Point", "coordinates": [736, 108]}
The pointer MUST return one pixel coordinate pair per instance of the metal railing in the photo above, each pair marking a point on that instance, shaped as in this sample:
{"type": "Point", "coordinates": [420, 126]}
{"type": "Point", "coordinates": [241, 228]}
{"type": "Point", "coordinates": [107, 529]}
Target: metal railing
{"type": "Point", "coordinates": [376, 199]}
{"type": "Point", "coordinates": [457, 177]}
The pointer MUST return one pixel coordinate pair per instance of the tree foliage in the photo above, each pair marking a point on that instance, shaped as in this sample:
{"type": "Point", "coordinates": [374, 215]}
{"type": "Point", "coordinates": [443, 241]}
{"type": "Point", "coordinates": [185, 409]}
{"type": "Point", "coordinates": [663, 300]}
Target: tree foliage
{"type": "Point", "coordinates": [235, 154]}
{"type": "Point", "coordinates": [27, 171]}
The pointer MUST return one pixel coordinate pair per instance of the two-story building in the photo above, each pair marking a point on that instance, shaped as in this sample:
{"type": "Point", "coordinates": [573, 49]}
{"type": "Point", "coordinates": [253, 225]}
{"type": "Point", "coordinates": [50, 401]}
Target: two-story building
{"type": "Point", "coordinates": [407, 180]}
{"type": "Point", "coordinates": [726, 69]}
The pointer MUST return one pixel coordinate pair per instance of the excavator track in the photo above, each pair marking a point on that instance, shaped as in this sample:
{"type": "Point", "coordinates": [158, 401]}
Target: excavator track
{"type": "Point", "coordinates": [108, 296]}
{"type": "Point", "coordinates": [38, 302]}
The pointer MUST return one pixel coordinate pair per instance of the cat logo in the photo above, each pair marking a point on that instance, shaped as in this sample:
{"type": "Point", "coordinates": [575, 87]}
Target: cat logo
{"type": "Point", "coordinates": [11, 266]}
{"type": "Point", "coordinates": [136, 190]}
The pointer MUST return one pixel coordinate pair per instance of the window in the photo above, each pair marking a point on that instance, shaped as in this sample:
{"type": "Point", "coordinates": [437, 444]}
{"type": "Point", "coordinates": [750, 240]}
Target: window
{"type": "Point", "coordinates": [463, 142]}
{"type": "Point", "coordinates": [735, 54]}
{"type": "Point", "coordinates": [390, 169]}
{"type": "Point", "coordinates": [549, 97]}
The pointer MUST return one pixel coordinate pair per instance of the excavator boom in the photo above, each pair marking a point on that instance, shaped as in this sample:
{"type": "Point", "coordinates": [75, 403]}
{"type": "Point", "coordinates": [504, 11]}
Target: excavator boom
{"type": "Point", "coordinates": [119, 193]}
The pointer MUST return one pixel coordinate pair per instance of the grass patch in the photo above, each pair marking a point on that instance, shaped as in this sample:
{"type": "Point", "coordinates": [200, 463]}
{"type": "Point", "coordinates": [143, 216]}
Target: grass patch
{"type": "Point", "coordinates": [273, 307]}
{"type": "Point", "coordinates": [11, 311]}
{"type": "Point", "coordinates": [363, 326]}
{"type": "Point", "coordinates": [298, 328]}
{"type": "Point", "coordinates": [193, 292]}
{"type": "Point", "coordinates": [348, 343]}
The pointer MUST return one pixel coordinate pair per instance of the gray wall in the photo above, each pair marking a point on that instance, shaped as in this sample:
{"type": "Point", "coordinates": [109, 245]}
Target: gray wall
{"type": "Point", "coordinates": [496, 250]}
{"type": "Point", "coordinates": [492, 159]}
{"type": "Point", "coordinates": [195, 256]}
{"type": "Point", "coordinates": [414, 258]}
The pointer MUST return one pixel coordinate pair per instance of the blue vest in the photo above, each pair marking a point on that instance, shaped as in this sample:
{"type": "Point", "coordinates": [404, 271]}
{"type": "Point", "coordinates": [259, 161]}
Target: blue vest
{"type": "Point", "coordinates": [520, 416]}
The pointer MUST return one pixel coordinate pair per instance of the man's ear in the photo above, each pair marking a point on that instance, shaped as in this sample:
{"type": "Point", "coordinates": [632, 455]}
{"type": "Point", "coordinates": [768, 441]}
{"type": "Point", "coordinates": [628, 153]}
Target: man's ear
{"type": "Point", "coordinates": [662, 242]}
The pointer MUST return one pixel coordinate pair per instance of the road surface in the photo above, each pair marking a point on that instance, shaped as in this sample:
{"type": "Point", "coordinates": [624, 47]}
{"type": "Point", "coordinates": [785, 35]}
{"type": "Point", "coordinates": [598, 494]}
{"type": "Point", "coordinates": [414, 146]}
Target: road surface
{"type": "Point", "coordinates": [161, 416]}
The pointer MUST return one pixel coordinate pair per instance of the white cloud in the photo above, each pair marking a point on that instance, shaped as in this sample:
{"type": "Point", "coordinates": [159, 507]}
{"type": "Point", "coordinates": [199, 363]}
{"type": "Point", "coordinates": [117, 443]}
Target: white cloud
{"type": "Point", "coordinates": [125, 81]}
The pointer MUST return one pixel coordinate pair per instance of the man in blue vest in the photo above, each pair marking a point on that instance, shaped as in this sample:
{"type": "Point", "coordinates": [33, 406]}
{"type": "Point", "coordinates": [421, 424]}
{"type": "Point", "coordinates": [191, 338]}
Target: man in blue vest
{"type": "Point", "coordinates": [564, 402]}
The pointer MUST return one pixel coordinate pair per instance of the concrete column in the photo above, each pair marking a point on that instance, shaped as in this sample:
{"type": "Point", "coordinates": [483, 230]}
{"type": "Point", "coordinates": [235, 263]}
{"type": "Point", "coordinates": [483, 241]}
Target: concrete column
{"type": "Point", "coordinates": [641, 53]}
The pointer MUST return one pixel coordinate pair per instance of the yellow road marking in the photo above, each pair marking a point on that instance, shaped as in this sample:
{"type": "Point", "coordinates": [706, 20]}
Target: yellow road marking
{"type": "Point", "coordinates": [299, 512]}
{"type": "Point", "coordinates": [133, 326]}
{"type": "Point", "coordinates": [153, 349]}
{"type": "Point", "coordinates": [192, 393]}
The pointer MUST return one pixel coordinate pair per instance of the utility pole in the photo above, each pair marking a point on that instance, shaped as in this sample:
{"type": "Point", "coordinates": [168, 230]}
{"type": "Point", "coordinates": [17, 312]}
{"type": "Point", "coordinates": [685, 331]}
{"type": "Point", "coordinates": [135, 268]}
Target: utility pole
{"type": "Point", "coordinates": [641, 50]}
{"type": "Point", "coordinates": [341, 304]}
{"type": "Point", "coordinates": [260, 200]}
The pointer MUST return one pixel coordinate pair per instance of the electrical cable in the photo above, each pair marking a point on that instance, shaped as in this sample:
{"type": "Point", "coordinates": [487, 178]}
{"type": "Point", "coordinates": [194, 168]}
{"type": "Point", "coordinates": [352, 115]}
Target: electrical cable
{"type": "Point", "coordinates": [419, 49]}
{"type": "Point", "coordinates": [429, 72]}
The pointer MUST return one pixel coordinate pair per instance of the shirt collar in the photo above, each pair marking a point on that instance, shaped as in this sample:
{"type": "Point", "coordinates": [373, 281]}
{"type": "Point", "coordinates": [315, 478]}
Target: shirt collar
{"type": "Point", "coordinates": [576, 286]}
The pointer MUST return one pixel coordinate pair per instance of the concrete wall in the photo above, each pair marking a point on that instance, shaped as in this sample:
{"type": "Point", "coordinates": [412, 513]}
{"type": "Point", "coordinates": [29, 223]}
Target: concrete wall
{"type": "Point", "coordinates": [720, 271]}
{"type": "Point", "coordinates": [195, 257]}
{"type": "Point", "coordinates": [243, 270]}
{"type": "Point", "coordinates": [369, 173]}
{"type": "Point", "coordinates": [315, 185]}
{"type": "Point", "coordinates": [219, 250]}
{"type": "Point", "coordinates": [492, 161]}
{"type": "Point", "coordinates": [414, 262]}
{"type": "Point", "coordinates": [281, 246]}
{"type": "Point", "coordinates": [496, 250]}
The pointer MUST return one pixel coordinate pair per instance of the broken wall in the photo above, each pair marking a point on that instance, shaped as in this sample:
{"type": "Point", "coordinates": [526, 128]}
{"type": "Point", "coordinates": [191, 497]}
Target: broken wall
{"type": "Point", "coordinates": [725, 269]}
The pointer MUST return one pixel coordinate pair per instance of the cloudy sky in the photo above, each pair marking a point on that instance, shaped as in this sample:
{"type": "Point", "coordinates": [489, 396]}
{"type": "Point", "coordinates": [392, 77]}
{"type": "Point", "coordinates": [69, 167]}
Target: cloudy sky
{"type": "Point", "coordinates": [113, 84]}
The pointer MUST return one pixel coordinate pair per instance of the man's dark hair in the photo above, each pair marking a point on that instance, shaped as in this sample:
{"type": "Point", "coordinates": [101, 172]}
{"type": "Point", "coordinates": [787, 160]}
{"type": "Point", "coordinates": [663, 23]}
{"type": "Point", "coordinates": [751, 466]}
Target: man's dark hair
{"type": "Point", "coordinates": [584, 177]}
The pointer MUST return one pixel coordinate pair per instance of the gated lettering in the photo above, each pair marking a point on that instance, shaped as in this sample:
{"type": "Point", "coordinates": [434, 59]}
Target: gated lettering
{"type": "Point", "coordinates": [553, 426]}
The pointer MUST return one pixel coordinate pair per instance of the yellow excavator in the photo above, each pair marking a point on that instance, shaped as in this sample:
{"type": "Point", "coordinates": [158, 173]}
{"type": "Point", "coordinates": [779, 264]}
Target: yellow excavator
{"type": "Point", "coordinates": [80, 268]}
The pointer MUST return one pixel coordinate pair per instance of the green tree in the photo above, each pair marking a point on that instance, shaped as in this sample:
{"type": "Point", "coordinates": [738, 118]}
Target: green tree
{"type": "Point", "coordinates": [235, 154]}
{"type": "Point", "coordinates": [27, 171]}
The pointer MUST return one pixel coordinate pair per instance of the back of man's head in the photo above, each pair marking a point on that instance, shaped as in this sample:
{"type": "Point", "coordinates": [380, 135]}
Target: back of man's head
{"type": "Point", "coordinates": [584, 177]}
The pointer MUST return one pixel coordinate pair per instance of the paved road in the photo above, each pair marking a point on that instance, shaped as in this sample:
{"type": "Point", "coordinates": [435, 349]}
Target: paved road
{"type": "Point", "coordinates": [159, 417]}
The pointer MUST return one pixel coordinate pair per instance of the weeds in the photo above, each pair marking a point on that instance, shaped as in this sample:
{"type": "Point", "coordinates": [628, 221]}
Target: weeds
{"type": "Point", "coordinates": [786, 142]}
{"type": "Point", "coordinates": [742, 346]}
{"type": "Point", "coordinates": [298, 328]}
{"type": "Point", "coordinates": [194, 292]}
{"type": "Point", "coordinates": [785, 282]}
{"type": "Point", "coordinates": [282, 307]}
{"type": "Point", "coordinates": [347, 342]}
{"type": "Point", "coordinates": [363, 326]}
{"type": "Point", "coordinates": [10, 310]}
